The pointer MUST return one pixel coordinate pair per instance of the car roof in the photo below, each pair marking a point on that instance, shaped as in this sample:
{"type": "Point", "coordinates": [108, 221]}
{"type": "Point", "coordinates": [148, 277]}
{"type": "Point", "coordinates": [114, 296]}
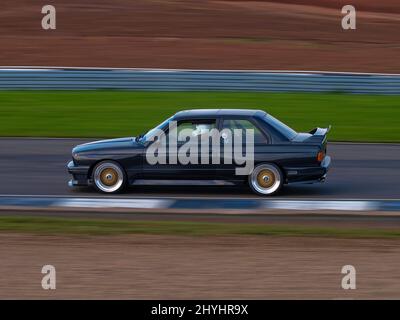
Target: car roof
{"type": "Point", "coordinates": [199, 113]}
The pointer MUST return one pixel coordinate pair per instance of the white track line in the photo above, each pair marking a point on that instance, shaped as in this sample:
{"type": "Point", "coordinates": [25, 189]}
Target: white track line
{"type": "Point", "coordinates": [114, 203]}
{"type": "Point", "coordinates": [324, 205]}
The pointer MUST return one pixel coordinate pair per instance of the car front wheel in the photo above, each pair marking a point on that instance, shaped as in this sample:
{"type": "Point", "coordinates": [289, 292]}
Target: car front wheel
{"type": "Point", "coordinates": [266, 179]}
{"type": "Point", "coordinates": [109, 177]}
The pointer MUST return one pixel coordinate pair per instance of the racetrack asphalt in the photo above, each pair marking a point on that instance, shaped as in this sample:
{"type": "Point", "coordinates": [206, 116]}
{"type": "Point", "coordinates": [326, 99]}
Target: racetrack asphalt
{"type": "Point", "coordinates": [35, 166]}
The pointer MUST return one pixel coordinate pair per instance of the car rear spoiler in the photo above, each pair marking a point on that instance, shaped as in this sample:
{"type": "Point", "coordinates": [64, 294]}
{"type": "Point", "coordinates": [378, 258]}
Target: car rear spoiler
{"type": "Point", "coordinates": [318, 134]}
{"type": "Point", "coordinates": [320, 131]}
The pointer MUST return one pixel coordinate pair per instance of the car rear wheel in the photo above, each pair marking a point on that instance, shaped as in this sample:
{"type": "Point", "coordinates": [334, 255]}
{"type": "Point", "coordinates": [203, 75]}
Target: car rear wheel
{"type": "Point", "coordinates": [266, 179]}
{"type": "Point", "coordinates": [109, 177]}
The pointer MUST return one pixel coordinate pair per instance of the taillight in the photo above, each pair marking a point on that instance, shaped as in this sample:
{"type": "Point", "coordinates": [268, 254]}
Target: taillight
{"type": "Point", "coordinates": [320, 156]}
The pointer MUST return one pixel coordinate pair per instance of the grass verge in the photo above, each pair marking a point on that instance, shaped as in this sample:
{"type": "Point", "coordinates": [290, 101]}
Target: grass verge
{"type": "Point", "coordinates": [365, 118]}
{"type": "Point", "coordinates": [41, 225]}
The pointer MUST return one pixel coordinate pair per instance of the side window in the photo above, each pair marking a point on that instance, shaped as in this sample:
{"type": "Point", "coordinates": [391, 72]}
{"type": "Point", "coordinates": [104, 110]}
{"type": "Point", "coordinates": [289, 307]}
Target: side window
{"type": "Point", "coordinates": [198, 127]}
{"type": "Point", "coordinates": [244, 125]}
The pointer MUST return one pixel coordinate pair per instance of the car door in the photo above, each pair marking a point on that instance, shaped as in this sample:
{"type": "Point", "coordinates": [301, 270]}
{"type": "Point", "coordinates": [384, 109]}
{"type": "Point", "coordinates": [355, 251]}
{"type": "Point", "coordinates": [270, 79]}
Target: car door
{"type": "Point", "coordinates": [183, 162]}
{"type": "Point", "coordinates": [234, 126]}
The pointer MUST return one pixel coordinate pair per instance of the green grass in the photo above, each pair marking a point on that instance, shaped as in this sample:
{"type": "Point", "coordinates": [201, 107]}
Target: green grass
{"type": "Point", "coordinates": [41, 225]}
{"type": "Point", "coordinates": [127, 113]}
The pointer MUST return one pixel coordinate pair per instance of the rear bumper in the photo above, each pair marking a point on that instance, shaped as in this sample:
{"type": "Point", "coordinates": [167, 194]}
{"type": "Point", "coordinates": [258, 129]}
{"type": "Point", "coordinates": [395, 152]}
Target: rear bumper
{"type": "Point", "coordinates": [309, 174]}
{"type": "Point", "coordinates": [79, 175]}
{"type": "Point", "coordinates": [326, 163]}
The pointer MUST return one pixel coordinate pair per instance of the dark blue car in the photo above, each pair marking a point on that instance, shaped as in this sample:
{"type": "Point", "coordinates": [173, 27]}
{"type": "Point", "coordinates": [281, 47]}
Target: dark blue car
{"type": "Point", "coordinates": [275, 155]}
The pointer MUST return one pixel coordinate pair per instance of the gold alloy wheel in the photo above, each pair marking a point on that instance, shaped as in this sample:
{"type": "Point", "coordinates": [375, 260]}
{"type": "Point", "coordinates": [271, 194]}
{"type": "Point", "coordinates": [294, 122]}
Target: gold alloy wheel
{"type": "Point", "coordinates": [265, 178]}
{"type": "Point", "coordinates": [109, 177]}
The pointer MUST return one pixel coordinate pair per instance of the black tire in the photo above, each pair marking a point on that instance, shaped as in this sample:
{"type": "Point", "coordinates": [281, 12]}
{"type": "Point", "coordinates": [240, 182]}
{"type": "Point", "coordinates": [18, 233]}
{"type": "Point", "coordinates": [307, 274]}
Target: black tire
{"type": "Point", "coordinates": [266, 179]}
{"type": "Point", "coordinates": [109, 177]}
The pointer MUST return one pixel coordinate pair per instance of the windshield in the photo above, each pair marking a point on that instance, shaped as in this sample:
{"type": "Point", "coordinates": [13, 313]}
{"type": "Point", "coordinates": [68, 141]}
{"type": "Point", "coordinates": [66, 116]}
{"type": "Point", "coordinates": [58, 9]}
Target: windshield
{"type": "Point", "coordinates": [280, 126]}
{"type": "Point", "coordinates": [149, 135]}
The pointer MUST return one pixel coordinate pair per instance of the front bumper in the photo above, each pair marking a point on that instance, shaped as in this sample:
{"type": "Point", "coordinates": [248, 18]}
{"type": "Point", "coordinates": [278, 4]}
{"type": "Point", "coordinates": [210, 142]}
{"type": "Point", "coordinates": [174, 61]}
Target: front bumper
{"type": "Point", "coordinates": [80, 175]}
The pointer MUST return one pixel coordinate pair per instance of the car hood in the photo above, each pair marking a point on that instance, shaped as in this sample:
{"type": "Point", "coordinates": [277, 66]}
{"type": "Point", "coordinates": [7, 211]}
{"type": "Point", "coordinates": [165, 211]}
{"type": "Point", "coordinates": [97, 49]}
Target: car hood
{"type": "Point", "coordinates": [109, 144]}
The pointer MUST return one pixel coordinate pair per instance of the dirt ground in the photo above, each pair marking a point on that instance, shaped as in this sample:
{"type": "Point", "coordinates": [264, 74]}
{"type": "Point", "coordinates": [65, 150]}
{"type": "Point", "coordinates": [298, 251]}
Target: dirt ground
{"type": "Point", "coordinates": [289, 34]}
{"type": "Point", "coordinates": [178, 267]}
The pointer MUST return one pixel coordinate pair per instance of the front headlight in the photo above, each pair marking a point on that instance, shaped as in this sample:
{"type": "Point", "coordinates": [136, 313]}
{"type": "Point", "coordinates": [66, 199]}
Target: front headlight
{"type": "Point", "coordinates": [75, 157]}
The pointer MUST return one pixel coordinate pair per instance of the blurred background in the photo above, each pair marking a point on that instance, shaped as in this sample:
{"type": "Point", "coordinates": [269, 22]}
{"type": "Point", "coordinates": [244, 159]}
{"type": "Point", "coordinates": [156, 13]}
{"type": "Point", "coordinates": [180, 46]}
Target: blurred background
{"type": "Point", "coordinates": [169, 253]}
{"type": "Point", "coordinates": [203, 34]}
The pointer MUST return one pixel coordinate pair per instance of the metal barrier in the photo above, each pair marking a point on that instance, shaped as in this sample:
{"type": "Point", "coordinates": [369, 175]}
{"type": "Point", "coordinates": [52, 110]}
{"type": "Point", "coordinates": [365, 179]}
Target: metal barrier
{"type": "Point", "coordinates": [196, 80]}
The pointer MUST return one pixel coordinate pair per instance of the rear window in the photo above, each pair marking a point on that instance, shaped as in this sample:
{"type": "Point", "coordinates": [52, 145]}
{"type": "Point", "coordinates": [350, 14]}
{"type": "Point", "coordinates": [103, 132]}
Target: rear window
{"type": "Point", "coordinates": [280, 126]}
{"type": "Point", "coordinates": [244, 125]}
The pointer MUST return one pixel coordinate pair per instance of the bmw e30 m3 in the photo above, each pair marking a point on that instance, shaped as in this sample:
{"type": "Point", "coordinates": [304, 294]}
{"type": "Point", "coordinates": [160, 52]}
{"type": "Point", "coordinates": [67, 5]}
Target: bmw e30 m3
{"type": "Point", "coordinates": [279, 155]}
